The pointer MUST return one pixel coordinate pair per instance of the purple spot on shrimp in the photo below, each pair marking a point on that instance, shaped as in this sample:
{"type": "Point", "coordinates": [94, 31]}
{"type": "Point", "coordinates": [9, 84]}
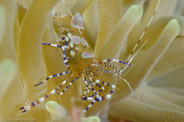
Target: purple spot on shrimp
{"type": "Point", "coordinates": [24, 111]}
{"type": "Point", "coordinates": [21, 108]}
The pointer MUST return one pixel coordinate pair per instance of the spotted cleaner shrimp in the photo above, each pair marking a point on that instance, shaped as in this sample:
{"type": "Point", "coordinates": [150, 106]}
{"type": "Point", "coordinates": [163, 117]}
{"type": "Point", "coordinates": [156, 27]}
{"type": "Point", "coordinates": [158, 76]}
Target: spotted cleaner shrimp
{"type": "Point", "coordinates": [81, 63]}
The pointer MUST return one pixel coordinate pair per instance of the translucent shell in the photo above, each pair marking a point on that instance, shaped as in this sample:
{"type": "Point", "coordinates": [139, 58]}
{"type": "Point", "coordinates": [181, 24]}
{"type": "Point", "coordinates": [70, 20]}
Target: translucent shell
{"type": "Point", "coordinates": [77, 52]}
{"type": "Point", "coordinates": [77, 21]}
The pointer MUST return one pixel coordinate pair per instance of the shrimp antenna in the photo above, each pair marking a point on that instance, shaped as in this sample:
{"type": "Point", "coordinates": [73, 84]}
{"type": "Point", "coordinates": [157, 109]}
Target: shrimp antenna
{"type": "Point", "coordinates": [130, 58]}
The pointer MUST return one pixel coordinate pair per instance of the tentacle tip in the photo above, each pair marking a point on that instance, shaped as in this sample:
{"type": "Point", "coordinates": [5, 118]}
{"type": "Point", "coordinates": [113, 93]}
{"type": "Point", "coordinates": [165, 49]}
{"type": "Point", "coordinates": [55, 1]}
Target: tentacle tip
{"type": "Point", "coordinates": [137, 8]}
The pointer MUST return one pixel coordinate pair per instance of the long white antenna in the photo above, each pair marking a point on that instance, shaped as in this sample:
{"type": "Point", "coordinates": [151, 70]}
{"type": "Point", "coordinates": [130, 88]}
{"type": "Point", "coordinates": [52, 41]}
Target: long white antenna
{"type": "Point", "coordinates": [130, 58]}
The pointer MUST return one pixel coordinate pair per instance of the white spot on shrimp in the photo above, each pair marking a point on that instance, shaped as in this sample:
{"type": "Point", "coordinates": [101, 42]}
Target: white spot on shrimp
{"type": "Point", "coordinates": [108, 96]}
{"type": "Point", "coordinates": [77, 48]}
{"type": "Point", "coordinates": [84, 42]}
{"type": "Point", "coordinates": [63, 15]}
{"type": "Point", "coordinates": [86, 55]}
{"type": "Point", "coordinates": [76, 39]}
{"type": "Point", "coordinates": [69, 35]}
{"type": "Point", "coordinates": [41, 99]}
{"type": "Point", "coordinates": [72, 53]}
{"type": "Point", "coordinates": [71, 44]}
